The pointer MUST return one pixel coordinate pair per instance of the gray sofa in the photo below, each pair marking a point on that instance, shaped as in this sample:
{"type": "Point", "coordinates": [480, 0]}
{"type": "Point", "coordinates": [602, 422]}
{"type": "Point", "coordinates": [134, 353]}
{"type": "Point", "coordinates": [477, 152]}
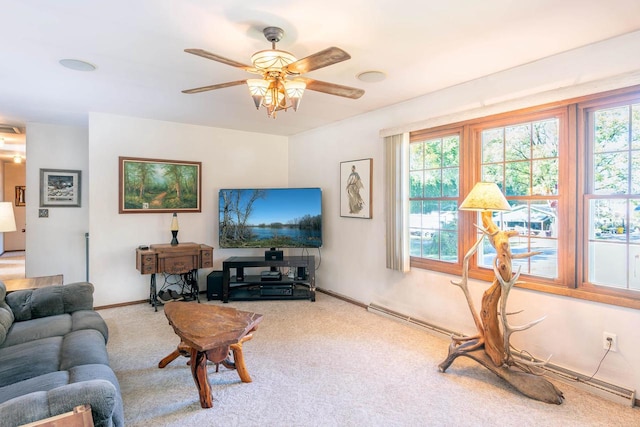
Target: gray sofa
{"type": "Point", "coordinates": [53, 356]}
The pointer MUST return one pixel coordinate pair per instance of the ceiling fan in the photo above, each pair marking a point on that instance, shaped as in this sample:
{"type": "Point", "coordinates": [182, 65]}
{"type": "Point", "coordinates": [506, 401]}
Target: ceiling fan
{"type": "Point", "coordinates": [280, 87]}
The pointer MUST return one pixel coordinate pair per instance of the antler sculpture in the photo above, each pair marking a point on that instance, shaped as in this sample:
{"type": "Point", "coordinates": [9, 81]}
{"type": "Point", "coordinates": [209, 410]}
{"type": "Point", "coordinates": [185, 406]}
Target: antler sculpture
{"type": "Point", "coordinates": [491, 346]}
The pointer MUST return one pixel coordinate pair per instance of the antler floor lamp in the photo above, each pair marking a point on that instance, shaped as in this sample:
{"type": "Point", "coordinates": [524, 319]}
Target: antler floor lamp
{"type": "Point", "coordinates": [491, 347]}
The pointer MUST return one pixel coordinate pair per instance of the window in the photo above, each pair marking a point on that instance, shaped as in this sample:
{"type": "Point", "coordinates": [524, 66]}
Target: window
{"type": "Point", "coordinates": [434, 182]}
{"type": "Point", "coordinates": [523, 159]}
{"type": "Point", "coordinates": [612, 198]}
{"type": "Point", "coordinates": [571, 173]}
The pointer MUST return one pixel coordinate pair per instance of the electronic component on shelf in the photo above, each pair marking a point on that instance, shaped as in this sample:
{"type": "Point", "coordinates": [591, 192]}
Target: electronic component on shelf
{"type": "Point", "coordinates": [273, 255]}
{"type": "Point", "coordinates": [276, 290]}
{"type": "Point", "coordinates": [270, 275]}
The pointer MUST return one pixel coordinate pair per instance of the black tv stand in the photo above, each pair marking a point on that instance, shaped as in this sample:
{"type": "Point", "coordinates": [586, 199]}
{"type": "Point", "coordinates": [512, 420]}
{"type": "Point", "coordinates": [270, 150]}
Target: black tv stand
{"type": "Point", "coordinates": [243, 286]}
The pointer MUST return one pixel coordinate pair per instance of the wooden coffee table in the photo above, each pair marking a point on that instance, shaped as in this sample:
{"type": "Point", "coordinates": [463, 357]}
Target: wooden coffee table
{"type": "Point", "coordinates": [208, 332]}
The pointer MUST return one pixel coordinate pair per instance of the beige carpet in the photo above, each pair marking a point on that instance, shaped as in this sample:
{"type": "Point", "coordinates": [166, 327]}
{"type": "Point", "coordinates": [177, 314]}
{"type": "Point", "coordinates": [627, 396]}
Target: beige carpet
{"type": "Point", "coordinates": [12, 265]}
{"type": "Point", "coordinates": [329, 363]}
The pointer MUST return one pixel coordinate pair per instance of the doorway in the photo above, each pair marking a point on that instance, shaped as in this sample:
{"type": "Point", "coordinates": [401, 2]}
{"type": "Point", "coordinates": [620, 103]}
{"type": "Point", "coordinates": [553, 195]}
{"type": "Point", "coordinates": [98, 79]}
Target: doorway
{"type": "Point", "coordinates": [12, 256]}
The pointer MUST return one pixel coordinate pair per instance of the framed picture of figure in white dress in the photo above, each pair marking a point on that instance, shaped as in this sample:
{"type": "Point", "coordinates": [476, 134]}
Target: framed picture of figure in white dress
{"type": "Point", "coordinates": [355, 188]}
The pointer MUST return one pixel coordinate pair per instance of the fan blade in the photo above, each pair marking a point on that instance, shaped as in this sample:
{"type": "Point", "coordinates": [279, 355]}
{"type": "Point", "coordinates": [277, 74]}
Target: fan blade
{"type": "Point", "coordinates": [324, 58]}
{"type": "Point", "coordinates": [218, 58]}
{"type": "Point", "coordinates": [333, 89]}
{"type": "Point", "coordinates": [214, 87]}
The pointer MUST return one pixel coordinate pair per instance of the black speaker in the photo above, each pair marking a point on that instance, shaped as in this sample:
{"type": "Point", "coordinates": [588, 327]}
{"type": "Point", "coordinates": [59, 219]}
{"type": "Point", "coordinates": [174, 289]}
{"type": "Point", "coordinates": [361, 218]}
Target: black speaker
{"type": "Point", "coordinates": [301, 273]}
{"type": "Point", "coordinates": [214, 285]}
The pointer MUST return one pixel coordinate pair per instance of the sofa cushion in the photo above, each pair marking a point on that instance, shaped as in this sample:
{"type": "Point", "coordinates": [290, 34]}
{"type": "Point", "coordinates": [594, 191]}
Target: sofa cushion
{"type": "Point", "coordinates": [6, 320]}
{"type": "Point", "coordinates": [44, 382]}
{"type": "Point", "coordinates": [34, 303]}
{"type": "Point", "coordinates": [6, 315]}
{"type": "Point", "coordinates": [52, 380]}
{"type": "Point", "coordinates": [83, 348]}
{"type": "Point", "coordinates": [106, 408]}
{"type": "Point", "coordinates": [89, 319]}
{"type": "Point", "coordinates": [52, 326]}
{"type": "Point", "coordinates": [28, 360]}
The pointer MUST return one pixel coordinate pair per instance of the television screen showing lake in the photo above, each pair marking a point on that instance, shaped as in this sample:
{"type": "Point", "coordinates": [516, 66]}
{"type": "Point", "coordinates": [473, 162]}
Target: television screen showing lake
{"type": "Point", "coordinates": [297, 236]}
{"type": "Point", "coordinates": [270, 218]}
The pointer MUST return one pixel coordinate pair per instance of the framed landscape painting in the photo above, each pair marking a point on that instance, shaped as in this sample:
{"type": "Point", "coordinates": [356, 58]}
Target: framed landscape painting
{"type": "Point", "coordinates": [157, 186]}
{"type": "Point", "coordinates": [60, 188]}
{"type": "Point", "coordinates": [355, 188]}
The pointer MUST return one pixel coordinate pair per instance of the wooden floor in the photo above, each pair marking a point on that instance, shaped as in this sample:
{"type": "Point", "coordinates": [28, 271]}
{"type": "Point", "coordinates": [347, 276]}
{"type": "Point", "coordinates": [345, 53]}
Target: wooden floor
{"type": "Point", "coordinates": [12, 265]}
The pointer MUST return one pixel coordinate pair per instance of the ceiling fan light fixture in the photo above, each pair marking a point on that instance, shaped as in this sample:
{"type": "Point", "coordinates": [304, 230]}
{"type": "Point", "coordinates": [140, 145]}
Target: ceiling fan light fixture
{"type": "Point", "coordinates": [275, 99]}
{"type": "Point", "coordinates": [274, 90]}
{"type": "Point", "coordinates": [295, 90]}
{"type": "Point", "coordinates": [272, 60]}
{"type": "Point", "coordinates": [258, 89]}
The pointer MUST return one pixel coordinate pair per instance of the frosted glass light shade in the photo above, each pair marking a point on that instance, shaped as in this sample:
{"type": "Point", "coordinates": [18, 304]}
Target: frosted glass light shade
{"type": "Point", "coordinates": [295, 90]}
{"type": "Point", "coordinates": [485, 196]}
{"type": "Point", "coordinates": [258, 89]}
{"type": "Point", "coordinates": [267, 60]}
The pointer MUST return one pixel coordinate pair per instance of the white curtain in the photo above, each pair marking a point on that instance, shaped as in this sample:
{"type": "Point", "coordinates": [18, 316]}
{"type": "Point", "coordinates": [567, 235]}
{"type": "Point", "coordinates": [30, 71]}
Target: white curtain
{"type": "Point", "coordinates": [397, 201]}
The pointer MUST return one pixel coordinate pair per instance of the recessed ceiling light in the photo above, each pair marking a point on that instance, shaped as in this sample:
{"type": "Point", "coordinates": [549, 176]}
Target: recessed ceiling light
{"type": "Point", "coordinates": [371, 76]}
{"type": "Point", "coordinates": [77, 65]}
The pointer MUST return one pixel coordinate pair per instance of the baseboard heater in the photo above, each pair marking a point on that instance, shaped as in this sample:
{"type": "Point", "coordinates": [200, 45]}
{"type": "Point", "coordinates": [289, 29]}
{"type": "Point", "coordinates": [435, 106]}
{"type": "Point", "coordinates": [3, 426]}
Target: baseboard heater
{"type": "Point", "coordinates": [609, 391]}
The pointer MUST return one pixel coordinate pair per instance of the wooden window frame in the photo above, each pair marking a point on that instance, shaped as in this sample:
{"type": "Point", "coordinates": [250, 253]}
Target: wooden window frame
{"type": "Point", "coordinates": [439, 132]}
{"type": "Point", "coordinates": [584, 169]}
{"type": "Point", "coordinates": [573, 168]}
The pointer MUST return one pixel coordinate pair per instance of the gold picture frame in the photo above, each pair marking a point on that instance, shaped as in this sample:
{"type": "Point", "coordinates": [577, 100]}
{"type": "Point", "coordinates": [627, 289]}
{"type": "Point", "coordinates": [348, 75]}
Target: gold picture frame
{"type": "Point", "coordinates": [159, 186]}
{"type": "Point", "coordinates": [20, 195]}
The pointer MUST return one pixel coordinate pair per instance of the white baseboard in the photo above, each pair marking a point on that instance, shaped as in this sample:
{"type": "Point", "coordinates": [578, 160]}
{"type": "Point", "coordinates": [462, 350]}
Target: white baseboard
{"type": "Point", "coordinates": [609, 391]}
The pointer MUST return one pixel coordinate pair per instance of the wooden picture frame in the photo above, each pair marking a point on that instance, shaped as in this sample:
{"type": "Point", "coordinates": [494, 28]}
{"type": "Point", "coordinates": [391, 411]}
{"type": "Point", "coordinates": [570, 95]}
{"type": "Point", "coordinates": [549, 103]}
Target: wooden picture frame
{"type": "Point", "coordinates": [60, 188]}
{"type": "Point", "coordinates": [159, 186]}
{"type": "Point", "coordinates": [20, 195]}
{"type": "Point", "coordinates": [356, 178]}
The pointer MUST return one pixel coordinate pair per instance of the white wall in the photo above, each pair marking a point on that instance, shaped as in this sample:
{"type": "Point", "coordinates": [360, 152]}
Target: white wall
{"type": "Point", "coordinates": [56, 245]}
{"type": "Point", "coordinates": [230, 159]}
{"type": "Point", "coordinates": [353, 256]}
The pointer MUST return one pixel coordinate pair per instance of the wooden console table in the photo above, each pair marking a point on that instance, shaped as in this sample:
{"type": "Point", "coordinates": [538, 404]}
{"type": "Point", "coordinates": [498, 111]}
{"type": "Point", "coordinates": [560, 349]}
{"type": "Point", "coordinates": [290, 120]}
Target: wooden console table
{"type": "Point", "coordinates": [184, 259]}
{"type": "Point", "coordinates": [32, 282]}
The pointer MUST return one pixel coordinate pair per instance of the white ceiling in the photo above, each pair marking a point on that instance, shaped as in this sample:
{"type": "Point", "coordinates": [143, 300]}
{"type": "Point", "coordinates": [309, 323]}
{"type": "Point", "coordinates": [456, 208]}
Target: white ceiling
{"type": "Point", "coordinates": [138, 49]}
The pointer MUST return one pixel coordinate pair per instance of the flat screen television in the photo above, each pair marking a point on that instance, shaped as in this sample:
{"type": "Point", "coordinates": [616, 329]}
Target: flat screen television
{"type": "Point", "coordinates": [270, 218]}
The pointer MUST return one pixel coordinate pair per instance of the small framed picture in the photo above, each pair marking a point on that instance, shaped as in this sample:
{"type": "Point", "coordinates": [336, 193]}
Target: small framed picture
{"type": "Point", "coordinates": [20, 195]}
{"type": "Point", "coordinates": [355, 184]}
{"type": "Point", "coordinates": [60, 188]}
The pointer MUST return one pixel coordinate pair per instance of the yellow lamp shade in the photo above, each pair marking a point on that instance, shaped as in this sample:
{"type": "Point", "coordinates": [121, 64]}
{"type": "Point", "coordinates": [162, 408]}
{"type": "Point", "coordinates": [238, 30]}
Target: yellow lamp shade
{"type": "Point", "coordinates": [485, 196]}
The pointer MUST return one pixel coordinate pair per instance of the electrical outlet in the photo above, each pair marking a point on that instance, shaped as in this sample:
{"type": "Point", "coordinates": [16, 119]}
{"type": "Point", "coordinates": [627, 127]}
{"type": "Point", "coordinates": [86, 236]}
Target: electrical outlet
{"type": "Point", "coordinates": [610, 341]}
